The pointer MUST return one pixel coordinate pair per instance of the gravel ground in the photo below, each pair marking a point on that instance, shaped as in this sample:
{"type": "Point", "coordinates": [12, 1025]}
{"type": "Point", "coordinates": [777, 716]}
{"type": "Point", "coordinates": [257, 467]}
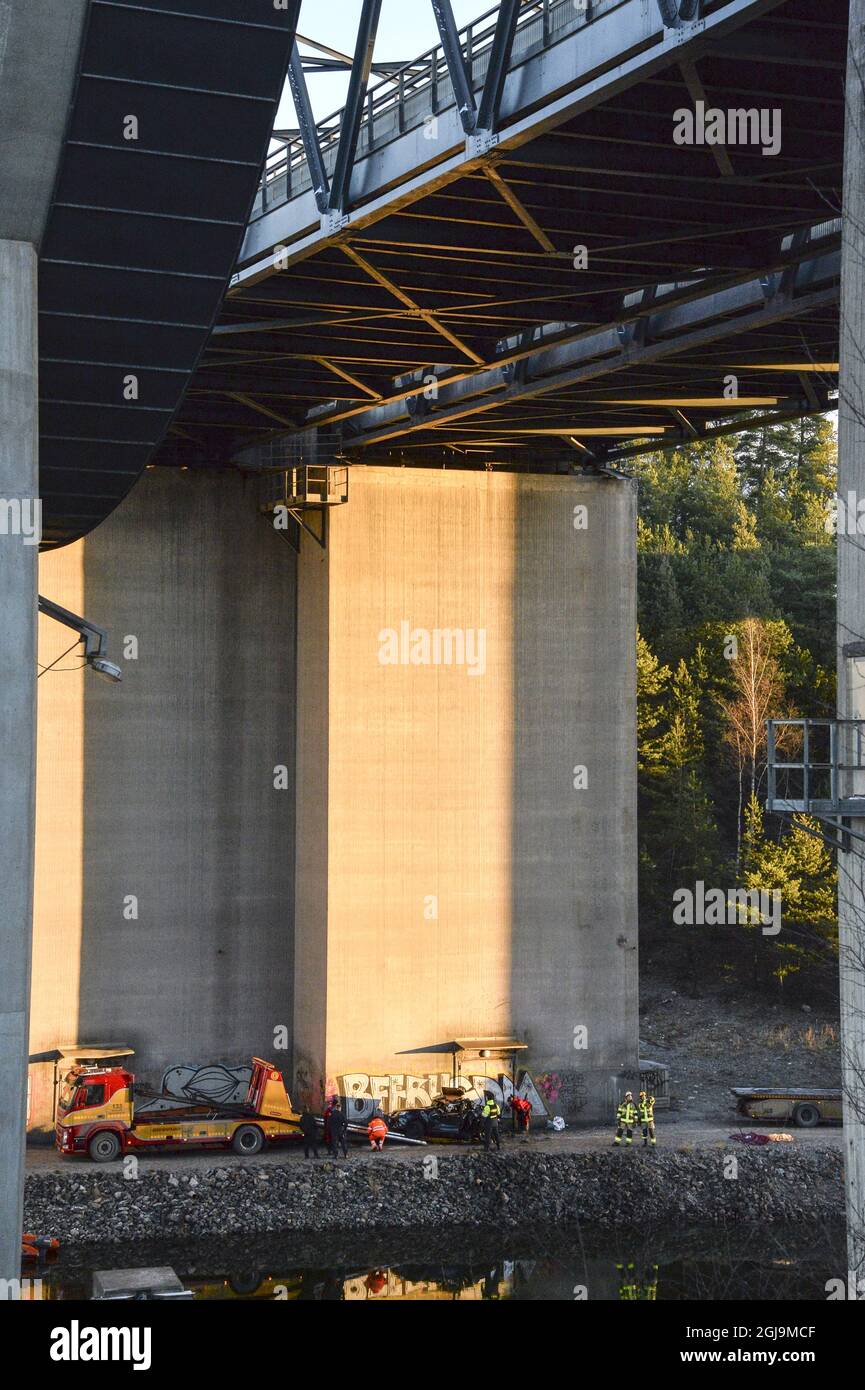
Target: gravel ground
{"type": "Point", "coordinates": [725, 1038]}
{"type": "Point", "coordinates": [515, 1189]}
{"type": "Point", "coordinates": [709, 1043]}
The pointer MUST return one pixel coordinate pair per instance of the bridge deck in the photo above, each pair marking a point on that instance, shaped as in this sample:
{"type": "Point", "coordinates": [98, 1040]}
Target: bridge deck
{"type": "Point", "coordinates": [702, 262]}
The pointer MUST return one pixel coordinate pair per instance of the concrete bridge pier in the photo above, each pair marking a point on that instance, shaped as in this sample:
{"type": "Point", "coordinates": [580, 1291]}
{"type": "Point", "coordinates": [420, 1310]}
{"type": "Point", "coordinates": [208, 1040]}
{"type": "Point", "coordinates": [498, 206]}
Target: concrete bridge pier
{"type": "Point", "coordinates": [851, 630]}
{"type": "Point", "coordinates": [466, 783]}
{"type": "Point", "coordinates": [19, 548]}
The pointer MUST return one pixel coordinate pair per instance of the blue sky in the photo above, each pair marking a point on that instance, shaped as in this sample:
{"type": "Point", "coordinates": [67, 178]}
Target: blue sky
{"type": "Point", "coordinates": [406, 29]}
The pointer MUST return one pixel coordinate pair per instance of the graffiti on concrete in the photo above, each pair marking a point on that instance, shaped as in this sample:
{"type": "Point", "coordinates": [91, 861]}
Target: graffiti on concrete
{"type": "Point", "coordinates": [223, 1085]}
{"type": "Point", "coordinates": [549, 1083]}
{"type": "Point", "coordinates": [402, 1091]}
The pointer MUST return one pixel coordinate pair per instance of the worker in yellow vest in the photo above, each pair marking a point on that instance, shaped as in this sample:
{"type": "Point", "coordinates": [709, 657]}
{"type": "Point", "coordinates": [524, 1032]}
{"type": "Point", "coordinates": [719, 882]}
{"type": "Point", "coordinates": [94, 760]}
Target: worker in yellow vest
{"type": "Point", "coordinates": [626, 1118]}
{"type": "Point", "coordinates": [646, 1113]}
{"type": "Point", "coordinates": [490, 1116]}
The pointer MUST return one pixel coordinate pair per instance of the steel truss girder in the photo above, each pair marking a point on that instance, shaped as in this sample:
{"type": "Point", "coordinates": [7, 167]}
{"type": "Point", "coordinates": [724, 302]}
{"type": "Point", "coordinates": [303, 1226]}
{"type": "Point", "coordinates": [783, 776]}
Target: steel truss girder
{"type": "Point", "coordinates": [515, 360]}
{"type": "Point", "coordinates": [662, 444]}
{"type": "Point", "coordinates": [360, 71]}
{"type": "Point", "coordinates": [669, 331]}
{"type": "Point", "coordinates": [450, 41]}
{"type": "Point", "coordinates": [499, 61]}
{"type": "Point", "coordinates": [400, 178]}
{"type": "Point", "coordinates": [308, 130]}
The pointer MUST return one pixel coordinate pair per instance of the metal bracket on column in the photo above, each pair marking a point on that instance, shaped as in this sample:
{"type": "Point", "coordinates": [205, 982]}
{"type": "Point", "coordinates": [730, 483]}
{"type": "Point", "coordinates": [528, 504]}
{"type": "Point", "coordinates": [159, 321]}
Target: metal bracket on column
{"type": "Point", "coordinates": [517, 373]}
{"type": "Point", "coordinates": [782, 285]}
{"type": "Point", "coordinates": [418, 406]}
{"type": "Point", "coordinates": [333, 222]}
{"type": "Point", "coordinates": [636, 333]}
{"type": "Point", "coordinates": [480, 142]}
{"type": "Point", "coordinates": [675, 13]}
{"type": "Point", "coordinates": [595, 467]}
{"type": "Point", "coordinates": [791, 274]}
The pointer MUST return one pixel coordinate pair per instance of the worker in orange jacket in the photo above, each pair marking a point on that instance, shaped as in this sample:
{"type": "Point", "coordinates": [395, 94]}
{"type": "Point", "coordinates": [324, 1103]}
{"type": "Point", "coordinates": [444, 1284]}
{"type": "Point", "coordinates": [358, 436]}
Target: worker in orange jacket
{"type": "Point", "coordinates": [522, 1109]}
{"type": "Point", "coordinates": [377, 1132]}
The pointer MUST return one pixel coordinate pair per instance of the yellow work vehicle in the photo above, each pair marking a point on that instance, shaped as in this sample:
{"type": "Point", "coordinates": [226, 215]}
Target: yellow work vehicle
{"type": "Point", "coordinates": [97, 1115]}
{"type": "Point", "coordinates": [800, 1106]}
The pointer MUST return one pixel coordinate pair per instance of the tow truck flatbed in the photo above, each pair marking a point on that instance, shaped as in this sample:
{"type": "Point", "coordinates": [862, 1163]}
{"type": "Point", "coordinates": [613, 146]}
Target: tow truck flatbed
{"type": "Point", "coordinates": [805, 1106]}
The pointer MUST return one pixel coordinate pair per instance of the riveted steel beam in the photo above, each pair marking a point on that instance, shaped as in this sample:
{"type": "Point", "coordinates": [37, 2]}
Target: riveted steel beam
{"type": "Point", "coordinates": [351, 119]}
{"type": "Point", "coordinates": [500, 57]}
{"type": "Point", "coordinates": [452, 48]}
{"type": "Point", "coordinates": [308, 130]}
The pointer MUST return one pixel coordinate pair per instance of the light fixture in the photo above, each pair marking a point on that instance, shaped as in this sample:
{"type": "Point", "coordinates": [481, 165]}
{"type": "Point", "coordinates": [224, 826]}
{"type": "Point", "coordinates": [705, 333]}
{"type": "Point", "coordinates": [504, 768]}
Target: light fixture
{"type": "Point", "coordinates": [95, 639]}
{"type": "Point", "coordinates": [108, 670]}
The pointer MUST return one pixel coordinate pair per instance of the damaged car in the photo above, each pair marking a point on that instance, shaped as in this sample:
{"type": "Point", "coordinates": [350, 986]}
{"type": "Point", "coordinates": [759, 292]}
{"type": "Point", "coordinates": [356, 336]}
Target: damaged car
{"type": "Point", "coordinates": [453, 1116]}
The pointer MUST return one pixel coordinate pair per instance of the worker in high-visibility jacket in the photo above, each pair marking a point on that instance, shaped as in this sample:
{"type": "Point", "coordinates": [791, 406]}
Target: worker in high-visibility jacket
{"type": "Point", "coordinates": [626, 1119]}
{"type": "Point", "coordinates": [377, 1132]}
{"type": "Point", "coordinates": [490, 1116]}
{"type": "Point", "coordinates": [646, 1115]}
{"type": "Point", "coordinates": [634, 1290]}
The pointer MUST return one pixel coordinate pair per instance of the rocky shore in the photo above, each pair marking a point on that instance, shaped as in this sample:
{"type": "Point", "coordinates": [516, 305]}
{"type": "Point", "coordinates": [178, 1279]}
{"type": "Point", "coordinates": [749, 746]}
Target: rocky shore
{"type": "Point", "coordinates": [508, 1191]}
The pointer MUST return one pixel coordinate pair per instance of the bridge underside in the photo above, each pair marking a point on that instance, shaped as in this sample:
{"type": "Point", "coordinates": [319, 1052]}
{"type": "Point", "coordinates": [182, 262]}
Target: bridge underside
{"type": "Point", "coordinates": [168, 124]}
{"type": "Point", "coordinates": [457, 320]}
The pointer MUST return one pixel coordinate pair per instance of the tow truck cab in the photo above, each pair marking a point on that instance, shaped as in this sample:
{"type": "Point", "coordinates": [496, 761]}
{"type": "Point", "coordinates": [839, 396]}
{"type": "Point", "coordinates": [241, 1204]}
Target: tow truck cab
{"type": "Point", "coordinates": [97, 1115]}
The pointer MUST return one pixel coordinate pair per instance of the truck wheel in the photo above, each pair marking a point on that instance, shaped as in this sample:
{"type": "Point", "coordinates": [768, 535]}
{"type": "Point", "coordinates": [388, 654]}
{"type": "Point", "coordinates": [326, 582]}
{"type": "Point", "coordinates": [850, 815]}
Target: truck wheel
{"type": "Point", "coordinates": [104, 1147]}
{"type": "Point", "coordinates": [247, 1140]}
{"type": "Point", "coordinates": [806, 1116]}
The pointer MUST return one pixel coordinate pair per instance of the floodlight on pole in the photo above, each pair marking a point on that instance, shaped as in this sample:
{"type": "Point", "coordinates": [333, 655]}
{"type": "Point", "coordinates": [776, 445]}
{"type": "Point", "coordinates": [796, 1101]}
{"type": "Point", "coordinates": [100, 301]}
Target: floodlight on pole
{"type": "Point", "coordinates": [95, 639]}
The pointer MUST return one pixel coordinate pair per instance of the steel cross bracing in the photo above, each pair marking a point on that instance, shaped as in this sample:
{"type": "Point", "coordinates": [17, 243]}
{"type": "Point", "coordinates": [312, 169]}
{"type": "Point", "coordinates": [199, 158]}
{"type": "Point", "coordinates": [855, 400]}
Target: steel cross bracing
{"type": "Point", "coordinates": [432, 306]}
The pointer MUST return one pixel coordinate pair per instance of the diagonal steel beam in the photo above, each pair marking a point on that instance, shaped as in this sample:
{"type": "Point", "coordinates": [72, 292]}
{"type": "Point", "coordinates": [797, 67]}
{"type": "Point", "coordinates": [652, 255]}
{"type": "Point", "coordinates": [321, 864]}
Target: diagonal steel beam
{"type": "Point", "coordinates": [619, 32]}
{"type": "Point", "coordinates": [308, 130]}
{"type": "Point", "coordinates": [809, 391]}
{"type": "Point", "coordinates": [574, 372]}
{"type": "Point", "coordinates": [426, 314]}
{"type": "Point", "coordinates": [256, 405]}
{"type": "Point", "coordinates": [697, 92]}
{"type": "Point", "coordinates": [351, 117]}
{"type": "Point", "coordinates": [500, 57]}
{"type": "Point", "coordinates": [347, 376]}
{"type": "Point", "coordinates": [516, 205]}
{"type": "Point", "coordinates": [740, 425]}
{"type": "Point", "coordinates": [685, 423]}
{"type": "Point", "coordinates": [452, 48]}
{"type": "Point", "coordinates": [527, 349]}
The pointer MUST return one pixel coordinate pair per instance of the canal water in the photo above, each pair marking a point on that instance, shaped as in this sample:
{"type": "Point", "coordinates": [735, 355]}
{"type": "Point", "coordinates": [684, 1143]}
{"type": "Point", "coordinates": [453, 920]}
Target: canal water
{"type": "Point", "coordinates": [694, 1263]}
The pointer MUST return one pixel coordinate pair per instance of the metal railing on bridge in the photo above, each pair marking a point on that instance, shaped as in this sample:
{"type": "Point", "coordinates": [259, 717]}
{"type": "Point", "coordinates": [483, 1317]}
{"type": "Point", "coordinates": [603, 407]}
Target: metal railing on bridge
{"type": "Point", "coordinates": [421, 89]}
{"type": "Point", "coordinates": [816, 767]}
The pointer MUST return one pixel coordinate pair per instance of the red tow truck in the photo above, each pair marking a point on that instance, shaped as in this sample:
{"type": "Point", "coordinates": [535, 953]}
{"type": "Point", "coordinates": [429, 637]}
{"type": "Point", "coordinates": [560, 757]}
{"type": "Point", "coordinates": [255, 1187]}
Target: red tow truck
{"type": "Point", "coordinates": [97, 1115]}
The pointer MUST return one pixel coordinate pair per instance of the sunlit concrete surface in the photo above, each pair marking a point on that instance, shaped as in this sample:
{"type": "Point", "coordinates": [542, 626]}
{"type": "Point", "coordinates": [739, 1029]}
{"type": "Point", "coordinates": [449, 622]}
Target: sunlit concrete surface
{"type": "Point", "coordinates": [452, 880]}
{"type": "Point", "coordinates": [164, 887]}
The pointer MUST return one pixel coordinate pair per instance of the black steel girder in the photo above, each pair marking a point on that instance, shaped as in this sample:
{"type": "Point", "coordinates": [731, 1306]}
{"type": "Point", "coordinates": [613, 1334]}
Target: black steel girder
{"type": "Point", "coordinates": [308, 130]}
{"type": "Point", "coordinates": [354, 104]}
{"type": "Point", "coordinates": [453, 51]}
{"type": "Point", "coordinates": [500, 57]}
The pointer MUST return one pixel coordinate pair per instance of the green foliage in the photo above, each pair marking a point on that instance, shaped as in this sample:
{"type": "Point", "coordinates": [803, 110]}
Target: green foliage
{"type": "Point", "coordinates": [799, 867]}
{"type": "Point", "coordinates": [734, 555]}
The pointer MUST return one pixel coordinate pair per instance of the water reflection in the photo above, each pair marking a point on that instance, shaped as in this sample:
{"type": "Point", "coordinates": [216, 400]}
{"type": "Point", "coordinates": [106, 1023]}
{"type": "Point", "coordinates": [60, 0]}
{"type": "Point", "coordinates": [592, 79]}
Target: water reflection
{"type": "Point", "coordinates": [694, 1263]}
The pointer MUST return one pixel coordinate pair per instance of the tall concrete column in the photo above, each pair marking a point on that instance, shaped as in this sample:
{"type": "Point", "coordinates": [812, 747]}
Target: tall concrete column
{"type": "Point", "coordinates": [851, 625]}
{"type": "Point", "coordinates": [19, 487]}
{"type": "Point", "coordinates": [466, 785]}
